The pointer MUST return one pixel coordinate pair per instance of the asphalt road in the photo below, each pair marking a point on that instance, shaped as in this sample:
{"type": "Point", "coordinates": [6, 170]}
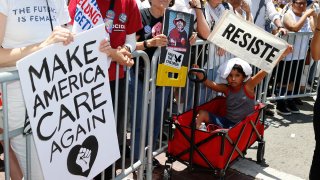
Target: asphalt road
{"type": "Point", "coordinates": [289, 145]}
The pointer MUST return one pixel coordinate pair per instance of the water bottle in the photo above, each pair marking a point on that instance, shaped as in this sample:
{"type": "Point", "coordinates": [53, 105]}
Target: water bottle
{"type": "Point", "coordinates": [203, 127]}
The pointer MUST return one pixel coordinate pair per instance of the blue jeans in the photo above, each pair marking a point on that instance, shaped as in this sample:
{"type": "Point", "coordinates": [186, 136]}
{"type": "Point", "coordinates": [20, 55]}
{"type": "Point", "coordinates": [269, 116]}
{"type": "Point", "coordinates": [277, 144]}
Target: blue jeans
{"type": "Point", "coordinates": [157, 112]}
{"type": "Point", "coordinates": [221, 121]}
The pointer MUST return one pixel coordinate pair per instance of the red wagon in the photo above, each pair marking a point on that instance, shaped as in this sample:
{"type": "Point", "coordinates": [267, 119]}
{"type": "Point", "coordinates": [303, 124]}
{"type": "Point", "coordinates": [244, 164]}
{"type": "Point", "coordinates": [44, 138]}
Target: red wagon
{"type": "Point", "coordinates": [217, 149]}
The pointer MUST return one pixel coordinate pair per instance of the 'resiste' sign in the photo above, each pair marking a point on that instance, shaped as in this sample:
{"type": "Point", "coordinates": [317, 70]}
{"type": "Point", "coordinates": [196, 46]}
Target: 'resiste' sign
{"type": "Point", "coordinates": [247, 41]}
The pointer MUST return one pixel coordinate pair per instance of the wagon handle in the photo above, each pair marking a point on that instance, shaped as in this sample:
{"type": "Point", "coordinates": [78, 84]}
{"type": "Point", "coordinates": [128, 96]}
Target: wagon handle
{"type": "Point", "coordinates": [194, 78]}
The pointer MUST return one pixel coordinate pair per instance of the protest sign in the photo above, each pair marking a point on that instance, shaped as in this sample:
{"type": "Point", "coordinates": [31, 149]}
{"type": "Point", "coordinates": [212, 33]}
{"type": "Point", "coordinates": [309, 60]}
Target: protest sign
{"type": "Point", "coordinates": [68, 99]}
{"type": "Point", "coordinates": [87, 16]}
{"type": "Point", "coordinates": [173, 67]}
{"type": "Point", "coordinates": [247, 41]}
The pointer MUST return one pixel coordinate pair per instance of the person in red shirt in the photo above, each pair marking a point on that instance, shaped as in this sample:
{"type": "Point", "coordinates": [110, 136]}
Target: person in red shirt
{"type": "Point", "coordinates": [126, 22]}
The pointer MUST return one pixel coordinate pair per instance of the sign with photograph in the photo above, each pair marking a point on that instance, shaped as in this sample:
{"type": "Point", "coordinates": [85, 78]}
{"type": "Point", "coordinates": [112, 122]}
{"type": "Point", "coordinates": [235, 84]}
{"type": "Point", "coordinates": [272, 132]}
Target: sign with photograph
{"type": "Point", "coordinates": [247, 41]}
{"type": "Point", "coordinates": [68, 99]}
{"type": "Point", "coordinates": [173, 67]}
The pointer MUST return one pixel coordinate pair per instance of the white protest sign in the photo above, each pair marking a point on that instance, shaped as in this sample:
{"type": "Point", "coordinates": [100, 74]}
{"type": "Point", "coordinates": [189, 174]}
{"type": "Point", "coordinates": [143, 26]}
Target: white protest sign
{"type": "Point", "coordinates": [173, 59]}
{"type": "Point", "coordinates": [247, 41]}
{"type": "Point", "coordinates": [67, 95]}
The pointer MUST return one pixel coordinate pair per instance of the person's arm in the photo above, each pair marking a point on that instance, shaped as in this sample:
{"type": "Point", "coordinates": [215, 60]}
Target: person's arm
{"type": "Point", "coordinates": [278, 24]}
{"type": "Point", "coordinates": [139, 45]}
{"type": "Point", "coordinates": [9, 57]}
{"type": "Point", "coordinates": [202, 26]}
{"type": "Point", "coordinates": [211, 84]}
{"type": "Point", "coordinates": [130, 42]}
{"type": "Point", "coordinates": [257, 78]}
{"type": "Point", "coordinates": [315, 42]}
{"type": "Point", "coordinates": [313, 21]}
{"type": "Point", "coordinates": [294, 26]}
{"type": "Point", "coordinates": [157, 41]}
{"type": "Point", "coordinates": [216, 87]}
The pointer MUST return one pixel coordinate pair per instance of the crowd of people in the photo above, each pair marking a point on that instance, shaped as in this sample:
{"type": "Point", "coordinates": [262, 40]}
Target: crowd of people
{"type": "Point", "coordinates": [141, 30]}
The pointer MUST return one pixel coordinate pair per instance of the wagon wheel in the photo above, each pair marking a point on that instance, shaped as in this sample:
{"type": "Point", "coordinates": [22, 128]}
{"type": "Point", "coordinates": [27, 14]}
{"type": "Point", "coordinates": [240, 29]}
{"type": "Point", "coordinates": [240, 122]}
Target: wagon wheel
{"type": "Point", "coordinates": [260, 152]}
{"type": "Point", "coordinates": [222, 174]}
{"type": "Point", "coordinates": [167, 173]}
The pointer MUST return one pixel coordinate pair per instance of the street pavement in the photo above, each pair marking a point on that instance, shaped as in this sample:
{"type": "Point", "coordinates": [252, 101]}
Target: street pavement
{"type": "Point", "coordinates": [290, 142]}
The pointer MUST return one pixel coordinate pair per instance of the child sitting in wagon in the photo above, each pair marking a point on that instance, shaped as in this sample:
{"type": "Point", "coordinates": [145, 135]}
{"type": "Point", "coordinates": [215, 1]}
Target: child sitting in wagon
{"type": "Point", "coordinates": [238, 87]}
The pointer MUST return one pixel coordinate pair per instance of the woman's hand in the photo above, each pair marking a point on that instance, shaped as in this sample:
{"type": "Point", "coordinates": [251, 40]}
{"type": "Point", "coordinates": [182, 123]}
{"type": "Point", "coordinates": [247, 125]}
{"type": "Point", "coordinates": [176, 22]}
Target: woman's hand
{"type": "Point", "coordinates": [286, 52]}
{"type": "Point", "coordinates": [311, 12]}
{"type": "Point", "coordinates": [159, 40]}
{"type": "Point", "coordinates": [221, 51]}
{"type": "Point", "coordinates": [121, 55]}
{"type": "Point", "coordinates": [59, 34]}
{"type": "Point", "coordinates": [193, 38]}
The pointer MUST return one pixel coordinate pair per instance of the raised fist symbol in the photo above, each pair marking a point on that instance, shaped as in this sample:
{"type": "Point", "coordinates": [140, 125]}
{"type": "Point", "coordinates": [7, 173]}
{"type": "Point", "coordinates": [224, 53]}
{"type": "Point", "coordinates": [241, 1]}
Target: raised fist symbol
{"type": "Point", "coordinates": [83, 158]}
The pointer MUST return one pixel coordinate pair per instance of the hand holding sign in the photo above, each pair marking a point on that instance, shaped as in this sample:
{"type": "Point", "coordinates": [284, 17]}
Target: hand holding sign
{"type": "Point", "coordinates": [83, 158]}
{"type": "Point", "coordinates": [159, 40]}
{"type": "Point", "coordinates": [59, 34]}
{"type": "Point", "coordinates": [286, 52]}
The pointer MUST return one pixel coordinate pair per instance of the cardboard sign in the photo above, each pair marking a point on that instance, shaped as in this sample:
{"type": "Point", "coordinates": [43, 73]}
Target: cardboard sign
{"type": "Point", "coordinates": [247, 41]}
{"type": "Point", "coordinates": [173, 67]}
{"type": "Point", "coordinates": [173, 59]}
{"type": "Point", "coordinates": [67, 95]}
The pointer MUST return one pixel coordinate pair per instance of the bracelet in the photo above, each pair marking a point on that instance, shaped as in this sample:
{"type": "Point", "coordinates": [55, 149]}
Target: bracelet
{"type": "Point", "coordinates": [145, 45]}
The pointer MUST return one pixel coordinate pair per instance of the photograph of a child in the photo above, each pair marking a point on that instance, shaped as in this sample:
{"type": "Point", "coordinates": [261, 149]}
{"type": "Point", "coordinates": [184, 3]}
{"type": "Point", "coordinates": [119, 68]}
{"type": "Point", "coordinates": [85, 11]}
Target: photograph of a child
{"type": "Point", "coordinates": [178, 36]}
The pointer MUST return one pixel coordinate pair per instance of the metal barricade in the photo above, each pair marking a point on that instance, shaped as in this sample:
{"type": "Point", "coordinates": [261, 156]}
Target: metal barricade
{"type": "Point", "coordinates": [303, 74]}
{"type": "Point", "coordinates": [132, 166]}
{"type": "Point", "coordinates": [5, 78]}
{"type": "Point", "coordinates": [119, 172]}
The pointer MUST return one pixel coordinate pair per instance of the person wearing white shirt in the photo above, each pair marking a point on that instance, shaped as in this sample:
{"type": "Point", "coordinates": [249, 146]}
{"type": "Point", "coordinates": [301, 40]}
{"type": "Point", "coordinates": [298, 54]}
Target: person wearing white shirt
{"type": "Point", "coordinates": [268, 10]}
